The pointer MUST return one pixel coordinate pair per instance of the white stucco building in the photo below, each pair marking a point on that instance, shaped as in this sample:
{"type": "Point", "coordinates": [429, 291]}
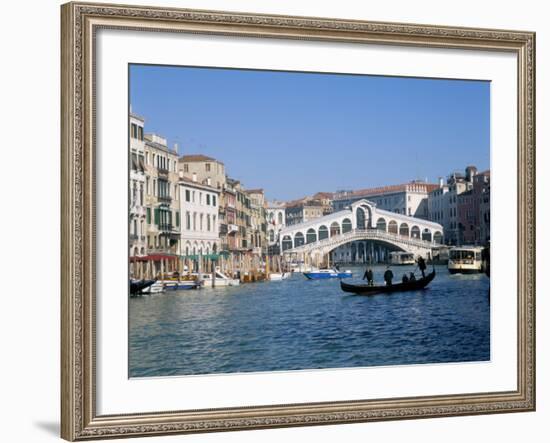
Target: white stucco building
{"type": "Point", "coordinates": [138, 227]}
{"type": "Point", "coordinates": [199, 208]}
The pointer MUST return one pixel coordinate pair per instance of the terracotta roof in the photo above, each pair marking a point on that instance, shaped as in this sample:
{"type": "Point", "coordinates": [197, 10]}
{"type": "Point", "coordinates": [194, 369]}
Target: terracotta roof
{"type": "Point", "coordinates": [197, 184]}
{"type": "Point", "coordinates": [320, 195]}
{"type": "Point", "coordinates": [197, 158]}
{"type": "Point", "coordinates": [386, 190]}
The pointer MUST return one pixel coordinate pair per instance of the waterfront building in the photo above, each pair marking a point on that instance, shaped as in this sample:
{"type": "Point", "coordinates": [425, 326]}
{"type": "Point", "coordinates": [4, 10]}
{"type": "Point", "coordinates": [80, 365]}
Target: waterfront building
{"type": "Point", "coordinates": [325, 199]}
{"type": "Point", "coordinates": [162, 196]}
{"type": "Point", "coordinates": [471, 218]}
{"type": "Point", "coordinates": [258, 224]}
{"type": "Point", "coordinates": [228, 219]}
{"type": "Point", "coordinates": [203, 169]}
{"type": "Point", "coordinates": [408, 199]}
{"type": "Point", "coordinates": [199, 207]}
{"type": "Point", "coordinates": [302, 211]}
{"type": "Point", "coordinates": [242, 213]}
{"type": "Point", "coordinates": [137, 219]}
{"type": "Point", "coordinates": [275, 217]}
{"type": "Point", "coordinates": [453, 212]}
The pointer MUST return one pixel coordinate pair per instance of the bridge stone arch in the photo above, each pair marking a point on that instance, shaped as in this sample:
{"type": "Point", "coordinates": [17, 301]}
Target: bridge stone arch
{"type": "Point", "coordinates": [438, 237]}
{"type": "Point", "coordinates": [404, 229]}
{"type": "Point", "coordinates": [393, 227]}
{"type": "Point", "coordinates": [347, 226]}
{"type": "Point", "coordinates": [311, 236]}
{"type": "Point", "coordinates": [287, 242]}
{"type": "Point", "coordinates": [323, 232]}
{"type": "Point", "coordinates": [415, 232]}
{"type": "Point", "coordinates": [335, 229]}
{"type": "Point", "coordinates": [381, 224]}
{"type": "Point", "coordinates": [299, 239]}
{"type": "Point", "coordinates": [363, 216]}
{"type": "Point", "coordinates": [427, 235]}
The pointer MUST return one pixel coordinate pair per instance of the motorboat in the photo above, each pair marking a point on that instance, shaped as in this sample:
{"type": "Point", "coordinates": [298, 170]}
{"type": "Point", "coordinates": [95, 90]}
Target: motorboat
{"type": "Point", "coordinates": [218, 280]}
{"type": "Point", "coordinates": [401, 258]}
{"type": "Point", "coordinates": [320, 274]}
{"type": "Point", "coordinates": [139, 286]}
{"type": "Point", "coordinates": [276, 276]}
{"type": "Point", "coordinates": [366, 289]}
{"type": "Point", "coordinates": [465, 260]}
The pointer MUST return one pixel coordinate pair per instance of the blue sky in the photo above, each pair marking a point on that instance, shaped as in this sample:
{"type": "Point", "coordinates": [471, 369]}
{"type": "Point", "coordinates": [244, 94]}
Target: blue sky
{"type": "Point", "coordinates": [294, 134]}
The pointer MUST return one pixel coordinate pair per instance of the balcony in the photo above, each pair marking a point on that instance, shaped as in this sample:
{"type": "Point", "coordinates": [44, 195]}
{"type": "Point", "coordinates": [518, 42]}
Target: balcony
{"type": "Point", "coordinates": [164, 198]}
{"type": "Point", "coordinates": [162, 172]}
{"type": "Point", "coordinates": [165, 227]}
{"type": "Point", "coordinates": [231, 228]}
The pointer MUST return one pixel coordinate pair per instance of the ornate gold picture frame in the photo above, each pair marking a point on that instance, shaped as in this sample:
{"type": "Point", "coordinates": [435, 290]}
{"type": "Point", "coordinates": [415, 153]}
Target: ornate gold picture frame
{"type": "Point", "coordinates": [80, 22]}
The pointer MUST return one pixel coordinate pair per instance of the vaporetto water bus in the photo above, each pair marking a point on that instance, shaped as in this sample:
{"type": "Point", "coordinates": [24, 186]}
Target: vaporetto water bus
{"type": "Point", "coordinates": [465, 260]}
{"type": "Point", "coordinates": [401, 258]}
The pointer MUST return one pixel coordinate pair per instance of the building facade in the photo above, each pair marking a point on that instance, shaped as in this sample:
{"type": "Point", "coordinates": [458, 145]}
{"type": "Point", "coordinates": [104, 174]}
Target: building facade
{"type": "Point", "coordinates": [203, 169]}
{"type": "Point", "coordinates": [258, 222]}
{"type": "Point", "coordinates": [137, 179]}
{"type": "Point", "coordinates": [162, 196]}
{"type": "Point", "coordinates": [409, 199]}
{"type": "Point", "coordinates": [199, 206]}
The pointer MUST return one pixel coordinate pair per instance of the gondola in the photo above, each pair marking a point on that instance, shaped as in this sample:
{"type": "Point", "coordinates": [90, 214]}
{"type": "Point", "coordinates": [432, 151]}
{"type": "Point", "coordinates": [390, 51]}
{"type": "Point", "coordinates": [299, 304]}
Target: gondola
{"type": "Point", "coordinates": [136, 286]}
{"type": "Point", "coordinates": [365, 289]}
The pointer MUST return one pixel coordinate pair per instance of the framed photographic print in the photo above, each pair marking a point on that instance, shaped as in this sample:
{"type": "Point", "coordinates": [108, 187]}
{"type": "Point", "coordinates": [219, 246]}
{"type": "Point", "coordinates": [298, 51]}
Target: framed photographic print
{"type": "Point", "coordinates": [283, 221]}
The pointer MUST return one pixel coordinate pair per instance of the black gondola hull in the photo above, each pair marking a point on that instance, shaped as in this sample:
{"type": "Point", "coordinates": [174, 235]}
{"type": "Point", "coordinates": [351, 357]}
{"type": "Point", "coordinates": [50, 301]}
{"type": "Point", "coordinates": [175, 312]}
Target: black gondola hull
{"type": "Point", "coordinates": [365, 289]}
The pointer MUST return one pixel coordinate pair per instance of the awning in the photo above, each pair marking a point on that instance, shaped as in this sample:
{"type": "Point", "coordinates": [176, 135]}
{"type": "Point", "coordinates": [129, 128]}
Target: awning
{"type": "Point", "coordinates": [153, 257]}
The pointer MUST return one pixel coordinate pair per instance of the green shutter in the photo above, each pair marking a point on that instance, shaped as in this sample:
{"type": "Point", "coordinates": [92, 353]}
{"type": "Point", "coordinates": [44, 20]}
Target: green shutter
{"type": "Point", "coordinates": [178, 219]}
{"type": "Point", "coordinates": [148, 216]}
{"type": "Point", "coordinates": [157, 216]}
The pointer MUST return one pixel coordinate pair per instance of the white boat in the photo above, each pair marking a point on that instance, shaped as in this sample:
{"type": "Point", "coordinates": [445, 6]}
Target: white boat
{"type": "Point", "coordinates": [276, 276]}
{"type": "Point", "coordinates": [401, 258]}
{"type": "Point", "coordinates": [156, 288]}
{"type": "Point", "coordinates": [220, 280]}
{"type": "Point", "coordinates": [465, 260]}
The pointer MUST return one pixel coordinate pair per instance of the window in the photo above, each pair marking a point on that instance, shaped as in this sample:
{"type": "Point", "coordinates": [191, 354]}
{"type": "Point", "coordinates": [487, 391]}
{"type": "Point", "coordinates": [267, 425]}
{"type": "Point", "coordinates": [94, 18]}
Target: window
{"type": "Point", "coordinates": [148, 216]}
{"type": "Point", "coordinates": [177, 219]}
{"type": "Point", "coordinates": [207, 166]}
{"type": "Point", "coordinates": [185, 167]}
{"type": "Point", "coordinates": [147, 186]}
{"type": "Point", "coordinates": [140, 132]}
{"type": "Point", "coordinates": [188, 220]}
{"type": "Point", "coordinates": [208, 199]}
{"type": "Point", "coordinates": [187, 195]}
{"type": "Point", "coordinates": [133, 132]}
{"type": "Point", "coordinates": [213, 200]}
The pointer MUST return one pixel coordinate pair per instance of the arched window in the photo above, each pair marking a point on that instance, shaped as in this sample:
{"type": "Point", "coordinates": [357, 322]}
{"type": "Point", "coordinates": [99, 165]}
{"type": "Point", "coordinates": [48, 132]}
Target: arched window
{"type": "Point", "coordinates": [271, 235]}
{"type": "Point", "coordinates": [280, 218]}
{"type": "Point", "coordinates": [346, 225]}
{"type": "Point", "coordinates": [334, 229]}
{"type": "Point", "coordinates": [214, 248]}
{"type": "Point", "coordinates": [427, 235]}
{"type": "Point", "coordinates": [287, 242]}
{"type": "Point", "coordinates": [323, 232]}
{"type": "Point", "coordinates": [392, 227]}
{"type": "Point", "coordinates": [438, 237]}
{"type": "Point", "coordinates": [404, 230]}
{"type": "Point", "coordinates": [415, 232]}
{"type": "Point", "coordinates": [381, 224]}
{"type": "Point", "coordinates": [298, 239]}
{"type": "Point", "coordinates": [311, 236]}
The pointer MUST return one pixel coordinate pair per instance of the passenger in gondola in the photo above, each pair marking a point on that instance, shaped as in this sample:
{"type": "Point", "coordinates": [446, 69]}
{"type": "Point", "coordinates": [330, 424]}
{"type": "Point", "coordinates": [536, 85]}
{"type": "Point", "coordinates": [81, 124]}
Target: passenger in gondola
{"type": "Point", "coordinates": [422, 265]}
{"type": "Point", "coordinates": [388, 276]}
{"type": "Point", "coordinates": [412, 277]}
{"type": "Point", "coordinates": [369, 277]}
{"type": "Point", "coordinates": [405, 279]}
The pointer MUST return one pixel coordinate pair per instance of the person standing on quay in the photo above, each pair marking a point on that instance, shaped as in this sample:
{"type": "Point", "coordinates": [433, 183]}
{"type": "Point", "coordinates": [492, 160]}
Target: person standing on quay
{"type": "Point", "coordinates": [388, 276]}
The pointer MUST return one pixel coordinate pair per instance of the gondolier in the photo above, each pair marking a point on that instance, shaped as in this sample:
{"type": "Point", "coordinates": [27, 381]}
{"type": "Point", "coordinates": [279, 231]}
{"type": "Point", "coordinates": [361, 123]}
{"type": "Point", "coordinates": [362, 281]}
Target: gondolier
{"type": "Point", "coordinates": [422, 265]}
{"type": "Point", "coordinates": [366, 289]}
{"type": "Point", "coordinates": [388, 276]}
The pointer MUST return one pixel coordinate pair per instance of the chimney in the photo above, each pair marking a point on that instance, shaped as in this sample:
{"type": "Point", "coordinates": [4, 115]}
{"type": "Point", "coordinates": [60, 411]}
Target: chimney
{"type": "Point", "coordinates": [194, 176]}
{"type": "Point", "coordinates": [441, 182]}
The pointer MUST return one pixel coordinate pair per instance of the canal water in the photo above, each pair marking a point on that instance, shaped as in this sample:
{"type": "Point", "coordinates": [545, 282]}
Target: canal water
{"type": "Point", "coordinates": [302, 324]}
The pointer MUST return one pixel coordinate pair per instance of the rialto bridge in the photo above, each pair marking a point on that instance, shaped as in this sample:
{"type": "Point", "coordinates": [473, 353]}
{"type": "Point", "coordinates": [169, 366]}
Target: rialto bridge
{"type": "Point", "coordinates": [362, 225]}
